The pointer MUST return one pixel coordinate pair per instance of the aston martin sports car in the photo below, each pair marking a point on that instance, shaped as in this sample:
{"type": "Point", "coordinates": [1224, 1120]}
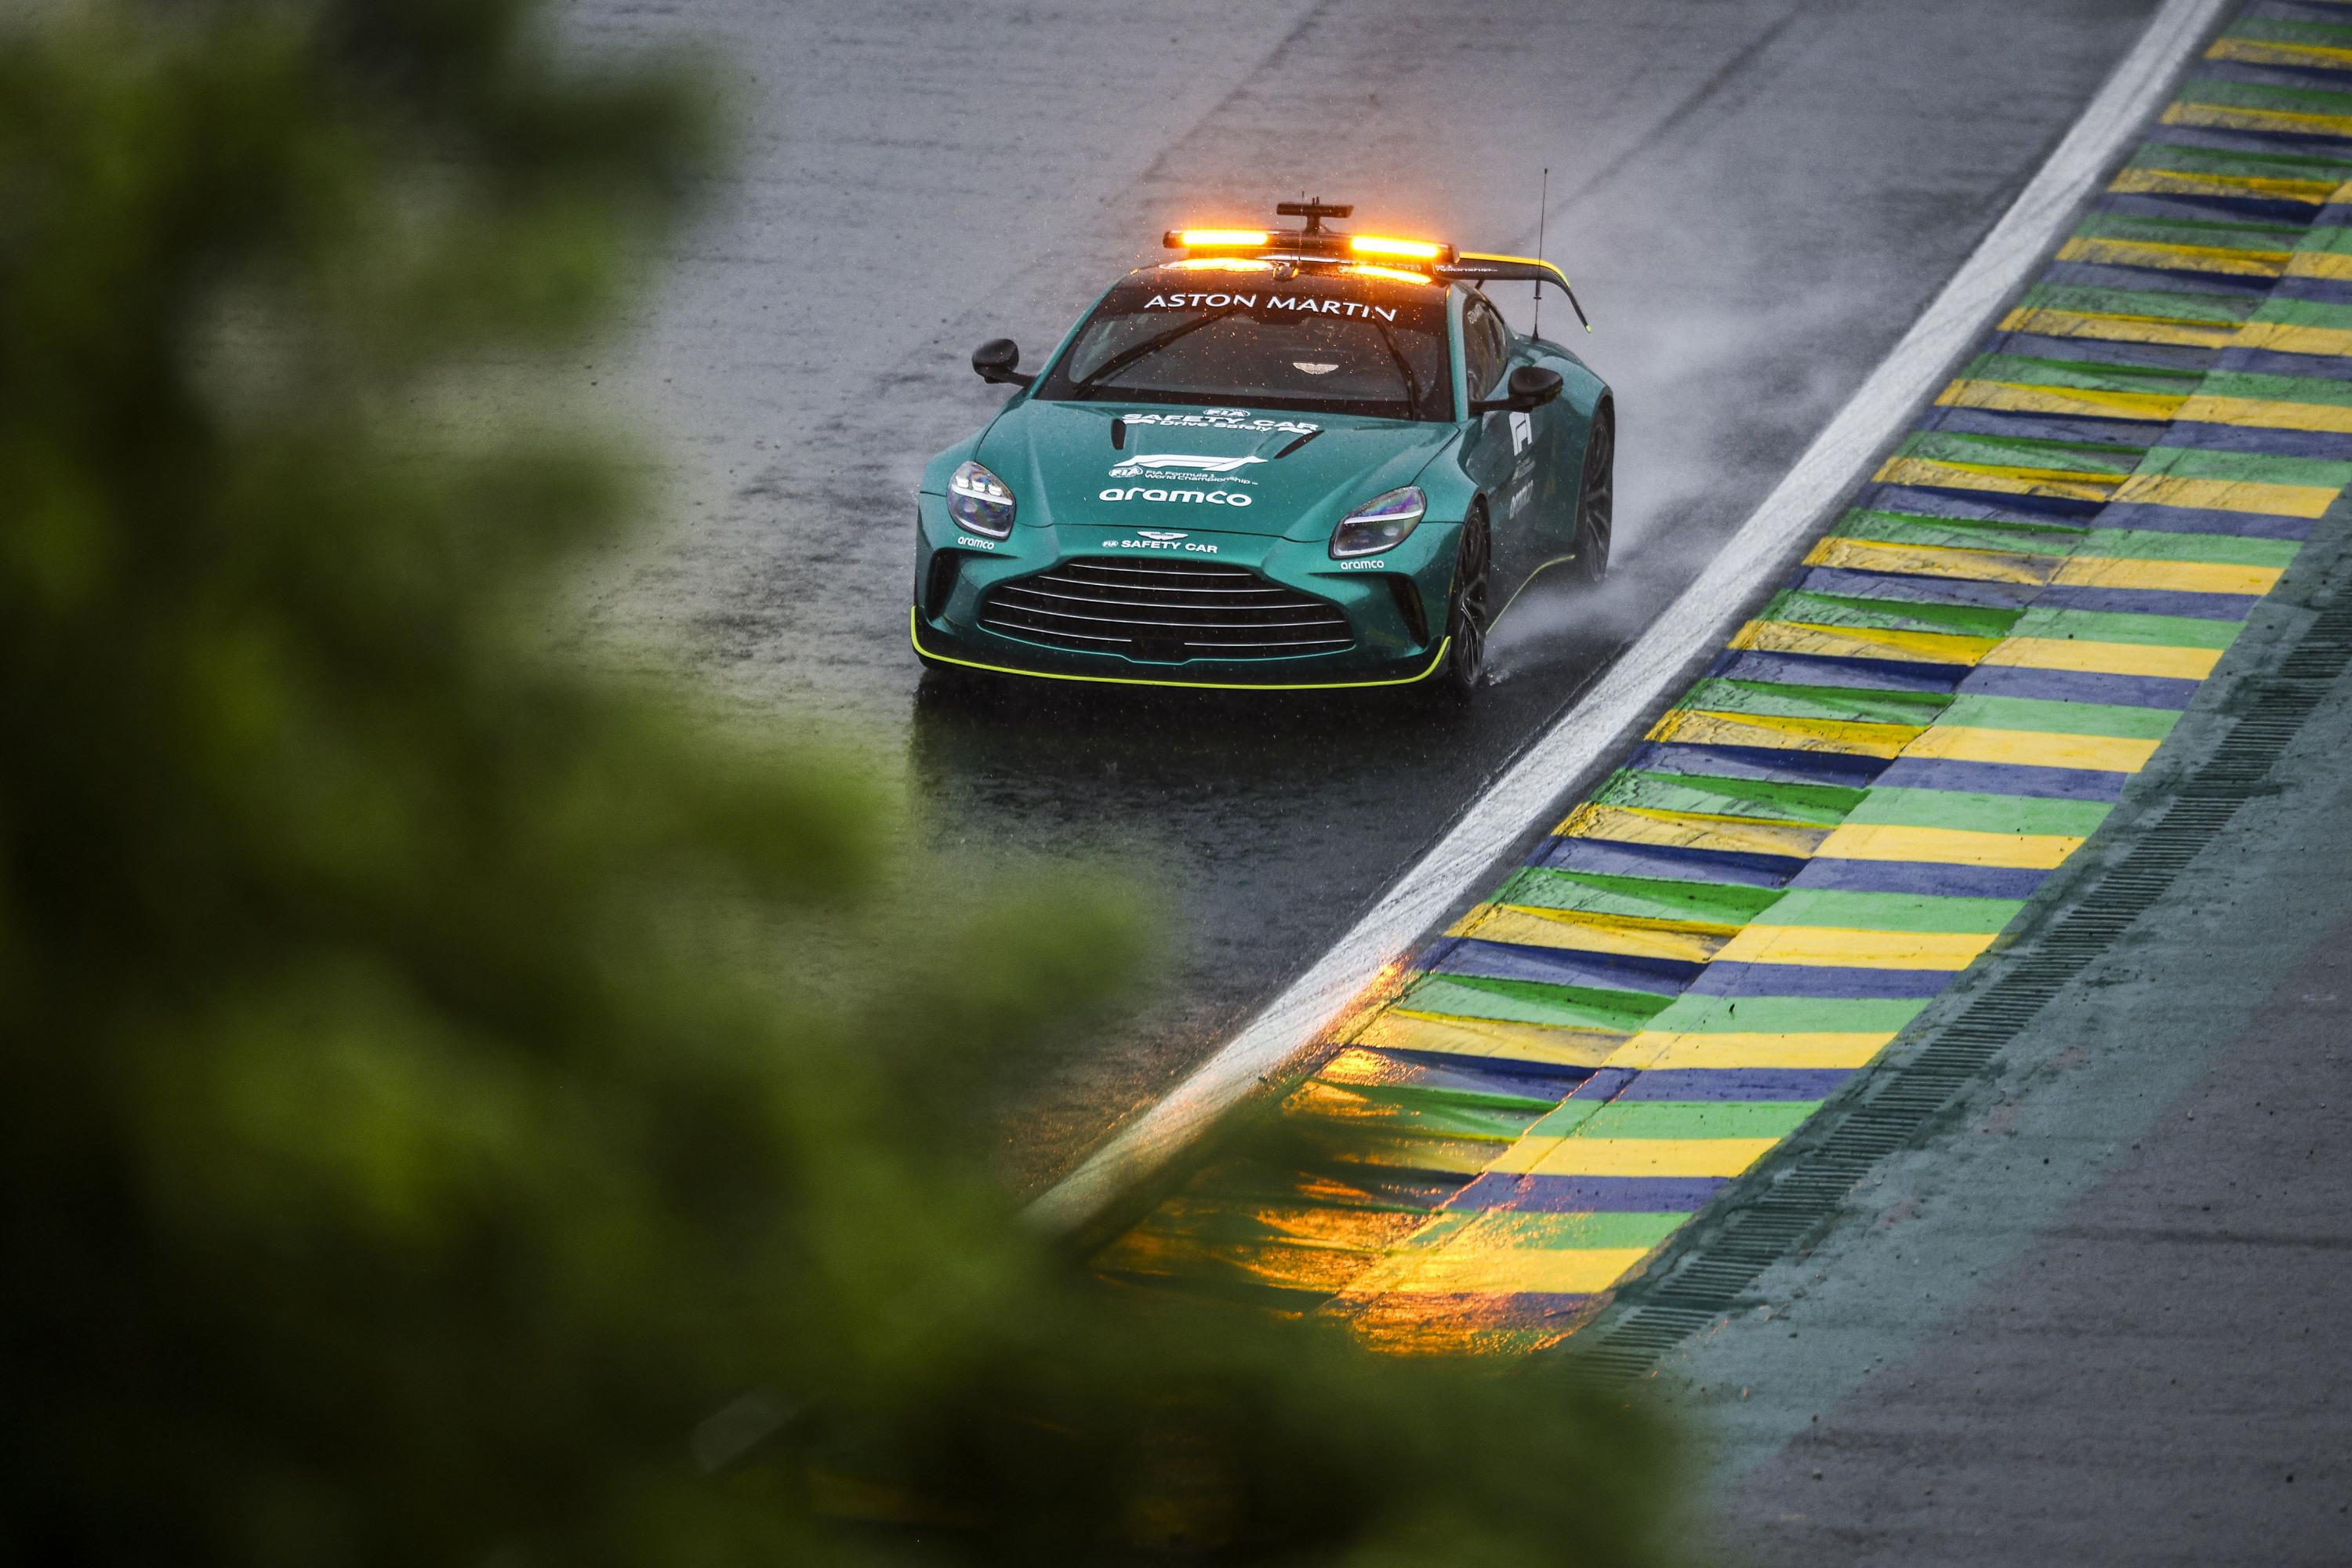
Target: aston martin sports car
{"type": "Point", "coordinates": [1286, 458]}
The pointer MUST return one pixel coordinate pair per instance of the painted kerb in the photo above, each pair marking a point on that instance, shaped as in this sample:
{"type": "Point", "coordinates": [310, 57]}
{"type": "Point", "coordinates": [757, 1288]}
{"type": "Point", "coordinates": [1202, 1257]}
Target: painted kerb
{"type": "Point", "coordinates": [1941, 705]}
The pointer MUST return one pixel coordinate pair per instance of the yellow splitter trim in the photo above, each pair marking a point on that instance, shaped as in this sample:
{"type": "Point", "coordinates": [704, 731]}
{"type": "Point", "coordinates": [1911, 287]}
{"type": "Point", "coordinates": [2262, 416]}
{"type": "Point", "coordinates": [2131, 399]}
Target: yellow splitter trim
{"type": "Point", "coordinates": [914, 635]}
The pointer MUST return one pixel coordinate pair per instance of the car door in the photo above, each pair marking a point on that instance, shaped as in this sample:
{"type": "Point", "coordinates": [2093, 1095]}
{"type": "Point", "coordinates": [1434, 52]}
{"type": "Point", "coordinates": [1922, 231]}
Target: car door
{"type": "Point", "coordinates": [1500, 452]}
{"type": "Point", "coordinates": [1547, 459]}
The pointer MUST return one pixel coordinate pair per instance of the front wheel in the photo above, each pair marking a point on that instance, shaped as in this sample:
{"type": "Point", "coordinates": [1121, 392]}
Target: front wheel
{"type": "Point", "coordinates": [1596, 499]}
{"type": "Point", "coordinates": [1466, 613]}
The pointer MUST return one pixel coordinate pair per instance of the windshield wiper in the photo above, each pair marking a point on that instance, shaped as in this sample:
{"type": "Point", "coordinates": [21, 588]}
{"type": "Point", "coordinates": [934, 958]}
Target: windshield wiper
{"type": "Point", "coordinates": [1150, 345]}
{"type": "Point", "coordinates": [1404, 368]}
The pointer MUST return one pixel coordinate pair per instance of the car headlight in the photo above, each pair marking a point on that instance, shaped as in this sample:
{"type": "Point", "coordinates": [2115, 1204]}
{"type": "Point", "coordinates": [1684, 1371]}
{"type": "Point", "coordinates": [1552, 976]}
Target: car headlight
{"type": "Point", "coordinates": [1380, 524]}
{"type": "Point", "coordinates": [980, 502]}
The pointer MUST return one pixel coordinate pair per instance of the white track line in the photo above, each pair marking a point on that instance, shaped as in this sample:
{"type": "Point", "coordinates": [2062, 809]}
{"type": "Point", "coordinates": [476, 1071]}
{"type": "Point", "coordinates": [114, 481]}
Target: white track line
{"type": "Point", "coordinates": [1692, 627]}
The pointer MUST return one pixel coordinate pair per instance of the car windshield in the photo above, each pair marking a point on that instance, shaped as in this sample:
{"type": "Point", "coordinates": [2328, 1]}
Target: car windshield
{"type": "Point", "coordinates": [1318, 345]}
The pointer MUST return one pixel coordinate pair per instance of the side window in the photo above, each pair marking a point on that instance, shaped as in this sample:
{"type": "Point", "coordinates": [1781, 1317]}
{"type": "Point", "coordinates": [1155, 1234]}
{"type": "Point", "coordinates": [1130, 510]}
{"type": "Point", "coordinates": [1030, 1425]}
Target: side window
{"type": "Point", "coordinates": [1485, 343]}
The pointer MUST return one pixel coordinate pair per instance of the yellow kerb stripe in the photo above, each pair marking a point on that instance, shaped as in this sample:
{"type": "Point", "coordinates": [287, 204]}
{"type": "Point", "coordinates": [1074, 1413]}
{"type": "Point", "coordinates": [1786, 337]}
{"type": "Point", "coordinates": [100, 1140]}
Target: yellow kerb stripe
{"type": "Point", "coordinates": [2033, 749]}
{"type": "Point", "coordinates": [2106, 658]}
{"type": "Point", "coordinates": [2267, 412]}
{"type": "Point", "coordinates": [2263, 52]}
{"type": "Point", "coordinates": [2284, 337]}
{"type": "Point", "coordinates": [2176, 258]}
{"type": "Point", "coordinates": [2171, 576]}
{"type": "Point", "coordinates": [1933, 560]}
{"type": "Point", "coordinates": [1829, 947]}
{"type": "Point", "coordinates": [2228, 117]}
{"type": "Point", "coordinates": [1699, 727]}
{"type": "Point", "coordinates": [1948, 845]}
{"type": "Point", "coordinates": [2196, 183]}
{"type": "Point", "coordinates": [2057, 483]}
{"type": "Point", "coordinates": [1862, 642]}
{"type": "Point", "coordinates": [1396, 1030]}
{"type": "Point", "coordinates": [1690, 830]}
{"type": "Point", "coordinates": [2226, 495]}
{"type": "Point", "coordinates": [2026, 397]}
{"type": "Point", "coordinates": [1556, 927]}
{"type": "Point", "coordinates": [2122, 329]}
{"type": "Point", "coordinates": [2333, 265]}
{"type": "Point", "coordinates": [1453, 1270]}
{"type": "Point", "coordinates": [1546, 1156]}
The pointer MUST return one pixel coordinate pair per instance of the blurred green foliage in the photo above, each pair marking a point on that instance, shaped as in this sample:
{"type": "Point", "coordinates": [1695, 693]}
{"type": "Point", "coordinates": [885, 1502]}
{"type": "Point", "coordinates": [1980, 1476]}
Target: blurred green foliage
{"type": "Point", "coordinates": [402, 1160]}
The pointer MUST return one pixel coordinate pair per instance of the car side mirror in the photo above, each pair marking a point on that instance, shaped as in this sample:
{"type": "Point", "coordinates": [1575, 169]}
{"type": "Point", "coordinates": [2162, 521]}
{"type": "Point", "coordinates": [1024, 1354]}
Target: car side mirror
{"type": "Point", "coordinates": [1530, 387]}
{"type": "Point", "coordinates": [994, 359]}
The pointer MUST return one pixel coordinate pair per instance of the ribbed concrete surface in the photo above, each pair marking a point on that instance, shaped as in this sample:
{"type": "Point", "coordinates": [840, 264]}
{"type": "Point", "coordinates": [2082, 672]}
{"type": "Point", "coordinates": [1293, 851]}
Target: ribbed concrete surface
{"type": "Point", "coordinates": [2104, 1318]}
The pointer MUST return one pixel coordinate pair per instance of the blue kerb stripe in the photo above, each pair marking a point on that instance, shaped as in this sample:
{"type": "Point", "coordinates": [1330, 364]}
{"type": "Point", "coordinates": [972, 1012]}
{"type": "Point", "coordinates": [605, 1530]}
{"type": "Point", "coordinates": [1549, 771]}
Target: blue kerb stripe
{"type": "Point", "coordinates": [1653, 861]}
{"type": "Point", "coordinates": [1588, 1194]}
{"type": "Point", "coordinates": [1559, 967]}
{"type": "Point", "coordinates": [2003, 778]}
{"type": "Point", "coordinates": [1920, 877]}
{"type": "Point", "coordinates": [1916, 588]}
{"type": "Point", "coordinates": [1713, 1084]}
{"type": "Point", "coordinates": [1733, 978]}
{"type": "Point", "coordinates": [1827, 669]}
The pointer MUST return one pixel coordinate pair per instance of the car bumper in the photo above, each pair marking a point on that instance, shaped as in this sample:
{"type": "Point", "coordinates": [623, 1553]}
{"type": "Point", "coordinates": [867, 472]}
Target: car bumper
{"type": "Point", "coordinates": [1394, 607]}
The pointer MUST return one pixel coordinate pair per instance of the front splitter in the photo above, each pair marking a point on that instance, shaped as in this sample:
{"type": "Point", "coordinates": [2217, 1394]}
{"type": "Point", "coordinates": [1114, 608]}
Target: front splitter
{"type": "Point", "coordinates": [915, 635]}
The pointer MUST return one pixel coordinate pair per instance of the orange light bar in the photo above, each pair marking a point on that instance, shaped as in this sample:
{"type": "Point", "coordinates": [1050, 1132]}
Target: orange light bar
{"type": "Point", "coordinates": [1408, 249]}
{"type": "Point", "coordinates": [1221, 238]}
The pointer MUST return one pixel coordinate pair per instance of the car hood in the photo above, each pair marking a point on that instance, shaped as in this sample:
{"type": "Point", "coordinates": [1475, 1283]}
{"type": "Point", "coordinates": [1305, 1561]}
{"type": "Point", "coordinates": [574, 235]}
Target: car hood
{"type": "Point", "coordinates": [1189, 468]}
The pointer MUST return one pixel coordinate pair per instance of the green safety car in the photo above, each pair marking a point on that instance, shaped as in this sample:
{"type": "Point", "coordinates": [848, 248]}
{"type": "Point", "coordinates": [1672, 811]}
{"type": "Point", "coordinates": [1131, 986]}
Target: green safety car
{"type": "Point", "coordinates": [1288, 459]}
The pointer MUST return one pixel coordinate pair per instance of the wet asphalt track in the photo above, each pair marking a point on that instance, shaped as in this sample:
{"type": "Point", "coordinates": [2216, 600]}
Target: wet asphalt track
{"type": "Point", "coordinates": [1755, 197]}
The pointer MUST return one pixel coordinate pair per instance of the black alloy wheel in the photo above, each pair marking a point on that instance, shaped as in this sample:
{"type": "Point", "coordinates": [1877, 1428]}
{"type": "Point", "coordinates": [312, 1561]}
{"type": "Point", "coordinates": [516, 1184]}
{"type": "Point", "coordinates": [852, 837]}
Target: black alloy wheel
{"type": "Point", "coordinates": [1467, 611]}
{"type": "Point", "coordinates": [1596, 502]}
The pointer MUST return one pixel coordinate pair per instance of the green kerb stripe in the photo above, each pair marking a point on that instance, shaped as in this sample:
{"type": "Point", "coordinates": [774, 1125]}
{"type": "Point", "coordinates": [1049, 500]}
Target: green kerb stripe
{"type": "Point", "coordinates": [1787, 1014]}
{"type": "Point", "coordinates": [2219, 310]}
{"type": "Point", "coordinates": [2022, 452]}
{"type": "Point", "coordinates": [1850, 704]}
{"type": "Point", "coordinates": [2152, 631]}
{"type": "Point", "coordinates": [1636, 898]}
{"type": "Point", "coordinates": [1959, 533]}
{"type": "Point", "coordinates": [2042, 716]}
{"type": "Point", "coordinates": [2213, 548]}
{"type": "Point", "coordinates": [1706, 1118]}
{"type": "Point", "coordinates": [2248, 95]}
{"type": "Point", "coordinates": [1813, 803]}
{"type": "Point", "coordinates": [1897, 807]}
{"type": "Point", "coordinates": [2083, 374]}
{"type": "Point", "coordinates": [1893, 911]}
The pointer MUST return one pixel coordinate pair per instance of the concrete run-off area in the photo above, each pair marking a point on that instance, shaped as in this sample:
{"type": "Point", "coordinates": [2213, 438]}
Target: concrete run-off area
{"type": "Point", "coordinates": [2098, 1314]}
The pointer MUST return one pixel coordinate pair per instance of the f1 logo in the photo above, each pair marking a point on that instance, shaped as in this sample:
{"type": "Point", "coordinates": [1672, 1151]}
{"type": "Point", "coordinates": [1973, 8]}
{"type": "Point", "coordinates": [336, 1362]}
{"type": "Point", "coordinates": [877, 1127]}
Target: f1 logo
{"type": "Point", "coordinates": [1523, 433]}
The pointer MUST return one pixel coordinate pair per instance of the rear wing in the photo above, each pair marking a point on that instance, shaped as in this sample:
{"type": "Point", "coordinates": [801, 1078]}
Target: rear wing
{"type": "Point", "coordinates": [1478, 267]}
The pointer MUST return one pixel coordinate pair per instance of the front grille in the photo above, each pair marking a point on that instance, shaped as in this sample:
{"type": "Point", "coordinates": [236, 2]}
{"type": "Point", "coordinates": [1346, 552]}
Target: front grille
{"type": "Point", "coordinates": [1164, 610]}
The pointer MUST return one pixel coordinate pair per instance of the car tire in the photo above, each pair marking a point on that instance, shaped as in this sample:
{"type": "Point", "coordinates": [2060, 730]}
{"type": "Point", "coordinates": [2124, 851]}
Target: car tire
{"type": "Point", "coordinates": [1596, 498]}
{"type": "Point", "coordinates": [1468, 611]}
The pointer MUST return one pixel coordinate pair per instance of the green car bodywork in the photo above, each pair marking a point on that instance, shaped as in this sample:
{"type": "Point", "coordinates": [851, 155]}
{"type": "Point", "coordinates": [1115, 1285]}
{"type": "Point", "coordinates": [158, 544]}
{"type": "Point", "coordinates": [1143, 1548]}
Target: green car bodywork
{"type": "Point", "coordinates": [1266, 503]}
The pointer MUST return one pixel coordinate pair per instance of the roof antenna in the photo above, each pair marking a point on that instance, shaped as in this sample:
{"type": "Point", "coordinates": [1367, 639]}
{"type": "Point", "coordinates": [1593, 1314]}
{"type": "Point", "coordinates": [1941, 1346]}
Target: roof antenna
{"type": "Point", "coordinates": [1543, 210]}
